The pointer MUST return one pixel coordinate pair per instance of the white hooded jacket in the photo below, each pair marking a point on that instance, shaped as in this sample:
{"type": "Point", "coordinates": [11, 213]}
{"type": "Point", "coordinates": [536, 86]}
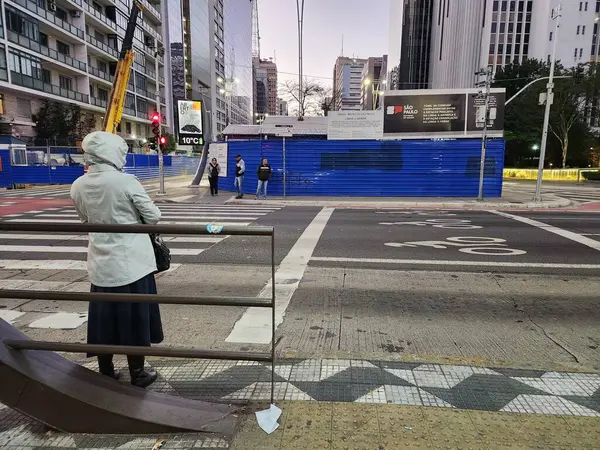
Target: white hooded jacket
{"type": "Point", "coordinates": [107, 195]}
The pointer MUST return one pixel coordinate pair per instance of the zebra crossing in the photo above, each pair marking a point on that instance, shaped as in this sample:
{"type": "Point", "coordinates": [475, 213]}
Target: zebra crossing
{"type": "Point", "coordinates": [27, 260]}
{"type": "Point", "coordinates": [53, 192]}
{"type": "Point", "coordinates": [579, 194]}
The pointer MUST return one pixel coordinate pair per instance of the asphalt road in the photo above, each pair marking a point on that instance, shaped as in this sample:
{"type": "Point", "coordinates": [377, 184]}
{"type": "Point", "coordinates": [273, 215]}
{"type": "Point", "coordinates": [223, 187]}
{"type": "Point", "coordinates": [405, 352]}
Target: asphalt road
{"type": "Point", "coordinates": [513, 288]}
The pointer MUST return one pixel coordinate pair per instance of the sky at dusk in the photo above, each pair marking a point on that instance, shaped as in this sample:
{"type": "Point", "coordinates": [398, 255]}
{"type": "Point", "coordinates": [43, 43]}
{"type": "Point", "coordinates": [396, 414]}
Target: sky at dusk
{"type": "Point", "coordinates": [363, 23]}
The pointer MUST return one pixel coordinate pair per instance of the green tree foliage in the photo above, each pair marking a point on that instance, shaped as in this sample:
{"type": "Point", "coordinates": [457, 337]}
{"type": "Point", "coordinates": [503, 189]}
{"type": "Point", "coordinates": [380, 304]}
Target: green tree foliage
{"type": "Point", "coordinates": [62, 124]}
{"type": "Point", "coordinates": [569, 134]}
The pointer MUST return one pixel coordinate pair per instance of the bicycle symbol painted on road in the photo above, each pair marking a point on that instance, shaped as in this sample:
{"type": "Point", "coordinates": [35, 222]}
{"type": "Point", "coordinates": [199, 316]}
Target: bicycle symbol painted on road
{"type": "Point", "coordinates": [456, 224]}
{"type": "Point", "coordinates": [472, 245]}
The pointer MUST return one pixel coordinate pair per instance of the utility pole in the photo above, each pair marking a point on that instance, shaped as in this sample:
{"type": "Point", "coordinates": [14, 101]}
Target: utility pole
{"type": "Point", "coordinates": [160, 51]}
{"type": "Point", "coordinates": [556, 14]}
{"type": "Point", "coordinates": [483, 111]}
{"type": "Point", "coordinates": [300, 13]}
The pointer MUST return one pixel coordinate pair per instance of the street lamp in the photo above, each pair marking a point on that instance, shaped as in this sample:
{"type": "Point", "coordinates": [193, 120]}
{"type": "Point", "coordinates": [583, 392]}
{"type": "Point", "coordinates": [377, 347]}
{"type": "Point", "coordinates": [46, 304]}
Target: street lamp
{"type": "Point", "coordinates": [300, 14]}
{"type": "Point", "coordinates": [535, 147]}
{"type": "Point", "coordinates": [556, 14]}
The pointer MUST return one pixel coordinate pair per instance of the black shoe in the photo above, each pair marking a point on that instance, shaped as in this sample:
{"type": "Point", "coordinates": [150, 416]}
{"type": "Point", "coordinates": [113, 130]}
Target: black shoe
{"type": "Point", "coordinates": [142, 378]}
{"type": "Point", "coordinates": [115, 374]}
{"type": "Point", "coordinates": [238, 197]}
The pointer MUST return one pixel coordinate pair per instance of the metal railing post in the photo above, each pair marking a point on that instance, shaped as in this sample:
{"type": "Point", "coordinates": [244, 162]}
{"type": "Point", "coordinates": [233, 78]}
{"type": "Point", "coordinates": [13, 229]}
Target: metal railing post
{"type": "Point", "coordinates": [273, 327]}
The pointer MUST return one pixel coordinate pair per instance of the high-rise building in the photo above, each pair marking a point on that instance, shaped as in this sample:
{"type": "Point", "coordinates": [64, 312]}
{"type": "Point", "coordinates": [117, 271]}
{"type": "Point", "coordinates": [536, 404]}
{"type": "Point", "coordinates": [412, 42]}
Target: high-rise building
{"type": "Point", "coordinates": [265, 84]}
{"type": "Point", "coordinates": [211, 57]}
{"type": "Point", "coordinates": [347, 80]}
{"type": "Point", "coordinates": [66, 51]}
{"type": "Point", "coordinates": [453, 40]}
{"type": "Point", "coordinates": [373, 82]}
{"type": "Point", "coordinates": [282, 107]}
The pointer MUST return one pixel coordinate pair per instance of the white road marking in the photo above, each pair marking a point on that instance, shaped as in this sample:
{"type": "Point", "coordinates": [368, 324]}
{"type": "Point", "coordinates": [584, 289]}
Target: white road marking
{"type": "Point", "coordinates": [84, 237]}
{"type": "Point", "coordinates": [9, 315]}
{"type": "Point", "coordinates": [65, 249]}
{"type": "Point", "coordinates": [61, 321]}
{"type": "Point", "coordinates": [552, 229]}
{"type": "Point", "coordinates": [34, 285]}
{"type": "Point", "coordinates": [171, 216]}
{"type": "Point", "coordinates": [46, 264]}
{"type": "Point", "coordinates": [439, 262]}
{"type": "Point", "coordinates": [255, 324]}
{"type": "Point", "coordinates": [183, 198]}
{"type": "Point", "coordinates": [161, 222]}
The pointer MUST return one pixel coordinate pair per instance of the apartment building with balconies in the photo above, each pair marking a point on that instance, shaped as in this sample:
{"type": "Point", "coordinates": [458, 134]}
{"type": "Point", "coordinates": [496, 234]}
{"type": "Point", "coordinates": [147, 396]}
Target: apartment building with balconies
{"type": "Point", "coordinates": [67, 51]}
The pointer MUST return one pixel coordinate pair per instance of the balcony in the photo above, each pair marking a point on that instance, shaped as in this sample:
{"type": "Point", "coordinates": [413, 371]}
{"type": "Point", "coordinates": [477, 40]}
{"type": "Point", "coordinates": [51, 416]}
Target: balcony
{"type": "Point", "coordinates": [143, 115]}
{"type": "Point", "coordinates": [151, 9]}
{"type": "Point", "coordinates": [100, 74]}
{"type": "Point", "coordinates": [30, 44]}
{"type": "Point", "coordinates": [98, 102]}
{"type": "Point", "coordinates": [41, 12]}
{"type": "Point", "coordinates": [156, 35]}
{"type": "Point", "coordinates": [34, 83]}
{"type": "Point", "coordinates": [102, 46]}
{"type": "Point", "coordinates": [148, 94]}
{"type": "Point", "coordinates": [100, 17]}
{"type": "Point", "coordinates": [129, 111]}
{"type": "Point", "coordinates": [77, 2]}
{"type": "Point", "coordinates": [1, 31]}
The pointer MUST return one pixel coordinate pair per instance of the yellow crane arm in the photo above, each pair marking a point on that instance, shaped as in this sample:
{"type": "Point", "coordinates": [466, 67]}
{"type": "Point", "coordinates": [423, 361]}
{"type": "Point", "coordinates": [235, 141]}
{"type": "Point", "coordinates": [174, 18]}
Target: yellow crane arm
{"type": "Point", "coordinates": [114, 108]}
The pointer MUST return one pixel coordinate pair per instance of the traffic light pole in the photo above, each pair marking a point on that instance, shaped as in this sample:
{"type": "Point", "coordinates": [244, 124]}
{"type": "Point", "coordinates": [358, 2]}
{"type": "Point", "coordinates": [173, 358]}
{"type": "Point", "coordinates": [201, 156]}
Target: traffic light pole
{"type": "Point", "coordinates": [161, 164]}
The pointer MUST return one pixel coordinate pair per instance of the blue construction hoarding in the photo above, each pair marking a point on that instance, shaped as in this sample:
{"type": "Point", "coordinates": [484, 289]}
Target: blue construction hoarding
{"type": "Point", "coordinates": [377, 168]}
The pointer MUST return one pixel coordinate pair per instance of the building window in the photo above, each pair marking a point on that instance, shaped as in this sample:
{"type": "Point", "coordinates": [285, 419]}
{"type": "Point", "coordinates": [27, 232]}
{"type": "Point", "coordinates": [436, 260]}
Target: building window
{"type": "Point", "coordinates": [63, 48]}
{"type": "Point", "coordinates": [586, 5]}
{"type": "Point", "coordinates": [103, 94]}
{"type": "Point", "coordinates": [43, 39]}
{"type": "Point", "coordinates": [127, 127]}
{"type": "Point", "coordinates": [494, 27]}
{"type": "Point", "coordinates": [583, 29]}
{"type": "Point", "coordinates": [578, 29]}
{"type": "Point", "coordinates": [580, 53]}
{"type": "Point", "coordinates": [46, 76]}
{"type": "Point", "coordinates": [23, 107]}
{"type": "Point", "coordinates": [575, 54]}
{"type": "Point", "coordinates": [24, 64]}
{"type": "Point", "coordinates": [580, 6]}
{"type": "Point", "coordinates": [65, 82]}
{"type": "Point", "coordinates": [550, 38]}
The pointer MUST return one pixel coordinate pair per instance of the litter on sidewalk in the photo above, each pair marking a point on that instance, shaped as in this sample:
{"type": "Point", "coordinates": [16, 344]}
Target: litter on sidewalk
{"type": "Point", "coordinates": [267, 419]}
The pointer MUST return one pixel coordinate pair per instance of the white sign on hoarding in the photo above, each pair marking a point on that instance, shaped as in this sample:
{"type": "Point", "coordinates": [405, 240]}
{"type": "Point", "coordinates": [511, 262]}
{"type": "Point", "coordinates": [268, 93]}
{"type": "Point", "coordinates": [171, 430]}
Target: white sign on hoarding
{"type": "Point", "coordinates": [219, 151]}
{"type": "Point", "coordinates": [349, 125]}
{"type": "Point", "coordinates": [189, 116]}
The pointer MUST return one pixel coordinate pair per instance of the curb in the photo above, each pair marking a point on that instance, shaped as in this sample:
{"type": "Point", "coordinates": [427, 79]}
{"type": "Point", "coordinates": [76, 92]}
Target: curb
{"type": "Point", "coordinates": [468, 205]}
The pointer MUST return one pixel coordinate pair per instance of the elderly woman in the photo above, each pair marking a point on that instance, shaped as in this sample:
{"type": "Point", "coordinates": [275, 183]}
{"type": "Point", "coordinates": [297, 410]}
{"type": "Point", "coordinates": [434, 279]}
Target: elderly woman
{"type": "Point", "coordinates": [118, 263]}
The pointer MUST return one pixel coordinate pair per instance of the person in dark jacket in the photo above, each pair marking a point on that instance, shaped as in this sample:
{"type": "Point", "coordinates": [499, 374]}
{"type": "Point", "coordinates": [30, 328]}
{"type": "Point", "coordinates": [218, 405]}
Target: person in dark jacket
{"type": "Point", "coordinates": [240, 171]}
{"type": "Point", "coordinates": [118, 263]}
{"type": "Point", "coordinates": [264, 174]}
{"type": "Point", "coordinates": [213, 170]}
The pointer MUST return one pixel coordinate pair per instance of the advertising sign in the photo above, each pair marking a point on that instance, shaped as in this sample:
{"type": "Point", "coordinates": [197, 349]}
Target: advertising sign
{"type": "Point", "coordinates": [348, 125]}
{"type": "Point", "coordinates": [219, 151]}
{"type": "Point", "coordinates": [189, 119]}
{"type": "Point", "coordinates": [449, 113]}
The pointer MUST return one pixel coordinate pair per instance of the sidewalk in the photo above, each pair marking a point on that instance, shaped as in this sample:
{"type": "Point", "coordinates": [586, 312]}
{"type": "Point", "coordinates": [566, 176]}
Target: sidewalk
{"type": "Point", "coordinates": [363, 405]}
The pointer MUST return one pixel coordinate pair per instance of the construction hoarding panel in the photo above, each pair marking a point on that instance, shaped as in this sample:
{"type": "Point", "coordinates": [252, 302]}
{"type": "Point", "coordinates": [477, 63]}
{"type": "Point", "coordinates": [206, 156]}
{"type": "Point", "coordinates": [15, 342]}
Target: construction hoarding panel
{"type": "Point", "coordinates": [449, 113]}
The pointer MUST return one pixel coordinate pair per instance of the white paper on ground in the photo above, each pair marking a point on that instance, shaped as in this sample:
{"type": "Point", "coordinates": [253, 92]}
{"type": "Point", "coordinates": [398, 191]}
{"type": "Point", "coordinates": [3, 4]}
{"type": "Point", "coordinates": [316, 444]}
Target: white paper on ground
{"type": "Point", "coordinates": [267, 419]}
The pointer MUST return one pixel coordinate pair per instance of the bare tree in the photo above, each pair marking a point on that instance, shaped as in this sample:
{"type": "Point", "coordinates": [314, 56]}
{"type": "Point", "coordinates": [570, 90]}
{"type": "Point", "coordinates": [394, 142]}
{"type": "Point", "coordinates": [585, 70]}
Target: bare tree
{"type": "Point", "coordinates": [313, 96]}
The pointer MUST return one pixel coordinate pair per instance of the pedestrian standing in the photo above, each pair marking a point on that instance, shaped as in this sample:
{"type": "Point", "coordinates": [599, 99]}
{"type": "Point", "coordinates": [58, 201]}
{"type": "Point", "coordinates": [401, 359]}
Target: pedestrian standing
{"type": "Point", "coordinates": [264, 174]}
{"type": "Point", "coordinates": [213, 171]}
{"type": "Point", "coordinates": [118, 263]}
{"type": "Point", "coordinates": [240, 171]}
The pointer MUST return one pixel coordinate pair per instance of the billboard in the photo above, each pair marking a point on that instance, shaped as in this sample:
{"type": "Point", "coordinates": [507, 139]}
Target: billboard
{"type": "Point", "coordinates": [189, 120]}
{"type": "Point", "coordinates": [449, 113]}
{"type": "Point", "coordinates": [348, 125]}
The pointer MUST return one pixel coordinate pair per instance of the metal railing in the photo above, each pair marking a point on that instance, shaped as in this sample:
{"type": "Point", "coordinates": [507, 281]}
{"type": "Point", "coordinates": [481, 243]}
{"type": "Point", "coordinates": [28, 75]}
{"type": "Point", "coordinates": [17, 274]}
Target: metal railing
{"type": "Point", "coordinates": [102, 46]}
{"type": "Point", "coordinates": [100, 17]}
{"type": "Point", "coordinates": [100, 74]}
{"type": "Point", "coordinates": [50, 17]}
{"type": "Point", "coordinates": [151, 9]}
{"type": "Point", "coordinates": [39, 85]}
{"type": "Point", "coordinates": [173, 352]}
{"type": "Point", "coordinates": [26, 42]}
{"type": "Point", "coordinates": [98, 102]}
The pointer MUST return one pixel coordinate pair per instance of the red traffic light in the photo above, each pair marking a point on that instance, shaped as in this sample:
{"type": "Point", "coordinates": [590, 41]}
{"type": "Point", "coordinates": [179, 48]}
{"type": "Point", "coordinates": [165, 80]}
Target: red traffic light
{"type": "Point", "coordinates": [156, 117]}
{"type": "Point", "coordinates": [163, 140]}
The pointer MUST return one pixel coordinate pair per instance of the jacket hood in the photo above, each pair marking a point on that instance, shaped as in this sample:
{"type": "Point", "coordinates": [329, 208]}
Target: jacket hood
{"type": "Point", "coordinates": [101, 147]}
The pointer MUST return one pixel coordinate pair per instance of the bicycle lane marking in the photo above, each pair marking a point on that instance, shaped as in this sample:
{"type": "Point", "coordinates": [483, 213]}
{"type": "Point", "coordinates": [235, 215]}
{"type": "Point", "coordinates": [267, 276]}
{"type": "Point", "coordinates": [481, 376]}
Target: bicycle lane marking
{"type": "Point", "coordinates": [591, 243]}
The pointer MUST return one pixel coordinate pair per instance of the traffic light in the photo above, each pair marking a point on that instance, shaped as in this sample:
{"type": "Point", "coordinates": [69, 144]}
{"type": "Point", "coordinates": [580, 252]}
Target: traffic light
{"type": "Point", "coordinates": [156, 124]}
{"type": "Point", "coordinates": [163, 142]}
{"type": "Point", "coordinates": [152, 143]}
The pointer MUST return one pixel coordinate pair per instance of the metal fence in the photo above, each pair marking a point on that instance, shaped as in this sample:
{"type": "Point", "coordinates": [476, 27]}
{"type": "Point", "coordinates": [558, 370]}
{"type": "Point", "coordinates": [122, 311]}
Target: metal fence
{"type": "Point", "coordinates": [173, 352]}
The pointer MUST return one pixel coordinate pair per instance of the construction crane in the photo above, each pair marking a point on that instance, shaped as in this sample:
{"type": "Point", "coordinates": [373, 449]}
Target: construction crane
{"type": "Point", "coordinates": [114, 108]}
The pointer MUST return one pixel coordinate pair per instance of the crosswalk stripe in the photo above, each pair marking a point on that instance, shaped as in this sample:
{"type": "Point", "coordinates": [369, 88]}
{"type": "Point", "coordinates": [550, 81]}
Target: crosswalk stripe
{"type": "Point", "coordinates": [171, 216]}
{"type": "Point", "coordinates": [84, 237]}
{"type": "Point", "coordinates": [34, 285]}
{"type": "Point", "coordinates": [52, 264]}
{"type": "Point", "coordinates": [161, 222]}
{"type": "Point", "coordinates": [67, 249]}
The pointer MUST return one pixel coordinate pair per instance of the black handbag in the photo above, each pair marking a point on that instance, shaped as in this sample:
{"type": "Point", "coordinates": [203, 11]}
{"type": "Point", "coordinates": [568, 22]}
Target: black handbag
{"type": "Point", "coordinates": [162, 253]}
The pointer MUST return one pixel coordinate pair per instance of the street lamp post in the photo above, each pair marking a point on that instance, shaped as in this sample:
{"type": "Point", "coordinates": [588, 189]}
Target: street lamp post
{"type": "Point", "coordinates": [160, 51]}
{"type": "Point", "coordinates": [300, 13]}
{"type": "Point", "coordinates": [556, 14]}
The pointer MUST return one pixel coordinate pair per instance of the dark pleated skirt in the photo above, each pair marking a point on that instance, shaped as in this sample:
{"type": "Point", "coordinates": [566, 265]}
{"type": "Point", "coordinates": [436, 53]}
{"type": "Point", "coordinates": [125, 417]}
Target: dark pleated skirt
{"type": "Point", "coordinates": [125, 323]}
